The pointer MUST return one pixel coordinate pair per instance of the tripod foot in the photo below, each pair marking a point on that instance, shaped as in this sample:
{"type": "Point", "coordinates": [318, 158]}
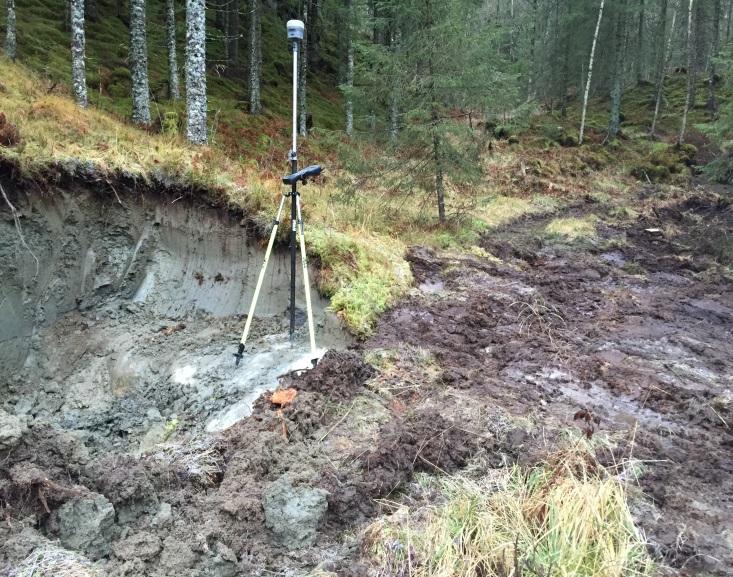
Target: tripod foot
{"type": "Point", "coordinates": [239, 355]}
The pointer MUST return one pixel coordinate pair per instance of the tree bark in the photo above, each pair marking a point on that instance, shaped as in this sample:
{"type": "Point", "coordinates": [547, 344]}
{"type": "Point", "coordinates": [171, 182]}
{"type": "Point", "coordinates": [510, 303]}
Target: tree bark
{"type": "Point", "coordinates": [196, 71]}
{"type": "Point", "coordinates": [349, 105]}
{"type": "Point", "coordinates": [255, 58]}
{"type": "Point", "coordinates": [232, 32]}
{"type": "Point", "coordinates": [618, 73]}
{"type": "Point", "coordinates": [434, 123]}
{"type": "Point", "coordinates": [590, 72]}
{"type": "Point", "coordinates": [139, 63]}
{"type": "Point", "coordinates": [639, 62]}
{"type": "Point", "coordinates": [665, 53]}
{"type": "Point", "coordinates": [11, 43]}
{"type": "Point", "coordinates": [714, 47]}
{"type": "Point", "coordinates": [174, 92]}
{"type": "Point", "coordinates": [78, 44]}
{"type": "Point", "coordinates": [690, 75]}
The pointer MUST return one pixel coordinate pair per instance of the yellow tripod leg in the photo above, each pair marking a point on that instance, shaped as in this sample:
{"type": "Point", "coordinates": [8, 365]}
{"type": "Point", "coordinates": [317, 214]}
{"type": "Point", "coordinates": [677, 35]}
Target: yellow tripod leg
{"type": "Point", "coordinates": [256, 295]}
{"type": "Point", "coordinates": [306, 282]}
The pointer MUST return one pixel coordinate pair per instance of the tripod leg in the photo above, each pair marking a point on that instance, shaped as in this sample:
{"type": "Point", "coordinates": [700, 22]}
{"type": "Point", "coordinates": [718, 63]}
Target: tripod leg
{"type": "Point", "coordinates": [252, 306]}
{"type": "Point", "coordinates": [306, 281]}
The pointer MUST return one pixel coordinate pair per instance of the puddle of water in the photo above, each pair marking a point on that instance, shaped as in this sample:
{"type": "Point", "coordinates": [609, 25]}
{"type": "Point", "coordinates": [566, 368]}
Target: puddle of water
{"type": "Point", "coordinates": [432, 286]}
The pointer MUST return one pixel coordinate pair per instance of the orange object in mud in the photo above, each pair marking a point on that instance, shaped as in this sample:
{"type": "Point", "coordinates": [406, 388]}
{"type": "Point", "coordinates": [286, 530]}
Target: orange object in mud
{"type": "Point", "coordinates": [283, 397]}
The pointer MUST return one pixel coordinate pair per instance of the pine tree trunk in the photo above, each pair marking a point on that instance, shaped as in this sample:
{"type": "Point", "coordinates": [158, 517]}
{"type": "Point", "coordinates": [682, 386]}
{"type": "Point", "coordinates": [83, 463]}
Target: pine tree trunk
{"type": "Point", "coordinates": [139, 63]}
{"type": "Point", "coordinates": [394, 97]}
{"type": "Point", "coordinates": [590, 72]}
{"type": "Point", "coordinates": [690, 75]}
{"type": "Point", "coordinates": [174, 92]}
{"type": "Point", "coordinates": [78, 43]}
{"type": "Point", "coordinates": [712, 101]}
{"type": "Point", "coordinates": [196, 71]}
{"type": "Point", "coordinates": [350, 68]}
{"type": "Point", "coordinates": [255, 57]}
{"type": "Point", "coordinates": [303, 65]}
{"type": "Point", "coordinates": [435, 122]}
{"type": "Point", "coordinates": [532, 64]}
{"type": "Point", "coordinates": [233, 32]}
{"type": "Point", "coordinates": [639, 62]}
{"type": "Point", "coordinates": [665, 53]}
{"type": "Point", "coordinates": [618, 73]}
{"type": "Point", "coordinates": [10, 30]}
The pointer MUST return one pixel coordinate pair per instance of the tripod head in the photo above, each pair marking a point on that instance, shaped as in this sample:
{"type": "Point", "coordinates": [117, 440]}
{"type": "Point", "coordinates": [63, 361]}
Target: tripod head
{"type": "Point", "coordinates": [304, 174]}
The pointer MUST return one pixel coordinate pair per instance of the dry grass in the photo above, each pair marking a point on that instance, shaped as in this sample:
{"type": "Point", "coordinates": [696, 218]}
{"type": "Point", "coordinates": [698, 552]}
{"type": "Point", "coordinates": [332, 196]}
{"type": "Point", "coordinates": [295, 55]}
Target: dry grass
{"type": "Point", "coordinates": [52, 561]}
{"type": "Point", "coordinates": [569, 517]}
{"type": "Point", "coordinates": [572, 229]}
{"type": "Point", "coordinates": [199, 460]}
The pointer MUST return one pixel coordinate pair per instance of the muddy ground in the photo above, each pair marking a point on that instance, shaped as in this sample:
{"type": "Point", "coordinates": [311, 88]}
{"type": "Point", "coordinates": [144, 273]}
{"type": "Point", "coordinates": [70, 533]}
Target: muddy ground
{"type": "Point", "coordinates": [491, 358]}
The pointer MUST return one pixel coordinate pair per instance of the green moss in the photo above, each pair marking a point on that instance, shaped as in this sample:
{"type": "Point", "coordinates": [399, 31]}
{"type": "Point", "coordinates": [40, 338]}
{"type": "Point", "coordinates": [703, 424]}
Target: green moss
{"type": "Point", "coordinates": [362, 274]}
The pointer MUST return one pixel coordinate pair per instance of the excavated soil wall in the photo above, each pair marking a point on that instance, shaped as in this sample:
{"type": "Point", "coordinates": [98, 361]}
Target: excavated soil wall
{"type": "Point", "coordinates": [120, 311]}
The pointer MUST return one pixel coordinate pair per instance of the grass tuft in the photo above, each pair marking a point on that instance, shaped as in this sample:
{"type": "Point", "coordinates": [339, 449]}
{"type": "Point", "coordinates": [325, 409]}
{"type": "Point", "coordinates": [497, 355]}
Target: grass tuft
{"type": "Point", "coordinates": [567, 517]}
{"type": "Point", "coordinates": [572, 229]}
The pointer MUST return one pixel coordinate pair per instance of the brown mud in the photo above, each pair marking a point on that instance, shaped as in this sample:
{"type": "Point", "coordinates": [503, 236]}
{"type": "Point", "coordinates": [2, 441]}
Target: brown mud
{"type": "Point", "coordinates": [630, 333]}
{"type": "Point", "coordinates": [486, 363]}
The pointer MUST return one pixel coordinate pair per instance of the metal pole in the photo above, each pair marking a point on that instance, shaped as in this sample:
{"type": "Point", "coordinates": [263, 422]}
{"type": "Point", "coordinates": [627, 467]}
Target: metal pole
{"type": "Point", "coordinates": [293, 191]}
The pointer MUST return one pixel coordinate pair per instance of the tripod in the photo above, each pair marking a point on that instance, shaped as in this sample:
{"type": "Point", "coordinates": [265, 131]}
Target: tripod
{"type": "Point", "coordinates": [296, 32]}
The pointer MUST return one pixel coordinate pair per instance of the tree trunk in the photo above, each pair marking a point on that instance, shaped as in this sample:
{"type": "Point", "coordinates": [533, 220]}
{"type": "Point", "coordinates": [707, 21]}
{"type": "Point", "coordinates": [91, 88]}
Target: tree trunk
{"type": "Point", "coordinates": [10, 31]}
{"type": "Point", "coordinates": [139, 63]}
{"type": "Point", "coordinates": [590, 72]}
{"type": "Point", "coordinates": [727, 23]}
{"type": "Point", "coordinates": [78, 43]}
{"type": "Point", "coordinates": [690, 75]}
{"type": "Point", "coordinates": [664, 56]}
{"type": "Point", "coordinates": [639, 62]}
{"type": "Point", "coordinates": [532, 64]}
{"type": "Point", "coordinates": [233, 32]}
{"type": "Point", "coordinates": [174, 92]}
{"type": "Point", "coordinates": [349, 68]}
{"type": "Point", "coordinates": [196, 71]}
{"type": "Point", "coordinates": [712, 101]}
{"type": "Point", "coordinates": [91, 11]}
{"type": "Point", "coordinates": [255, 57]}
{"type": "Point", "coordinates": [435, 122]}
{"type": "Point", "coordinates": [394, 97]}
{"type": "Point", "coordinates": [618, 73]}
{"type": "Point", "coordinates": [302, 81]}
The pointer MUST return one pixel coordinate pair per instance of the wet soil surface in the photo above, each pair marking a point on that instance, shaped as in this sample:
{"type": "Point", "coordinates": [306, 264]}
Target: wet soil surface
{"type": "Point", "coordinates": [487, 362]}
{"type": "Point", "coordinates": [632, 334]}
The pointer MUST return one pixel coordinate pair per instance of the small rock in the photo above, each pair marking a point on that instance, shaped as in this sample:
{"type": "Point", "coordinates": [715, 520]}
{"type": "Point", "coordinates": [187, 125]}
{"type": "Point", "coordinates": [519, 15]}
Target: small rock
{"type": "Point", "coordinates": [294, 513]}
{"type": "Point", "coordinates": [141, 545]}
{"type": "Point", "coordinates": [12, 429]}
{"type": "Point", "coordinates": [86, 524]}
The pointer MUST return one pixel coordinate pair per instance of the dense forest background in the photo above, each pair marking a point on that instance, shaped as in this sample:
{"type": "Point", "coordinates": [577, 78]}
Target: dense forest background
{"type": "Point", "coordinates": [418, 77]}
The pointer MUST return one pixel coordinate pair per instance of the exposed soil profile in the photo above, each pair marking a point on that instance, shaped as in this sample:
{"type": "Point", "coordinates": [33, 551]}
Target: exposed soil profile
{"type": "Point", "coordinates": [129, 443]}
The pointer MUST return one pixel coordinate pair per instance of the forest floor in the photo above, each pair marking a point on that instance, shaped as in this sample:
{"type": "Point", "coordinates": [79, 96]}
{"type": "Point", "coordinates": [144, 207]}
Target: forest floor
{"type": "Point", "coordinates": [584, 322]}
